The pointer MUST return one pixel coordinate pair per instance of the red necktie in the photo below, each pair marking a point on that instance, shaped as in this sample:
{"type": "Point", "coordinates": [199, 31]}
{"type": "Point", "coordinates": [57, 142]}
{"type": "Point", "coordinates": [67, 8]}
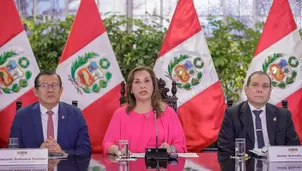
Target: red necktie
{"type": "Point", "coordinates": [50, 129]}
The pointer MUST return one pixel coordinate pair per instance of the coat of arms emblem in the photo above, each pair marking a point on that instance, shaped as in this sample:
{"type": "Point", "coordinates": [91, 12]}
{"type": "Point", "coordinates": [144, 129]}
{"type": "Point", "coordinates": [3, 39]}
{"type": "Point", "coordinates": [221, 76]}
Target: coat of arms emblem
{"type": "Point", "coordinates": [89, 73]}
{"type": "Point", "coordinates": [186, 71]}
{"type": "Point", "coordinates": [13, 73]}
{"type": "Point", "coordinates": [281, 69]}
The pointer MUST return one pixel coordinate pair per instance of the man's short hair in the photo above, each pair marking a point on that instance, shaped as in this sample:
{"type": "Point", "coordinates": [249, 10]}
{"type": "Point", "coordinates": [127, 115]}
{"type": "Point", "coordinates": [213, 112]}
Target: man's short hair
{"type": "Point", "coordinates": [258, 73]}
{"type": "Point", "coordinates": [46, 72]}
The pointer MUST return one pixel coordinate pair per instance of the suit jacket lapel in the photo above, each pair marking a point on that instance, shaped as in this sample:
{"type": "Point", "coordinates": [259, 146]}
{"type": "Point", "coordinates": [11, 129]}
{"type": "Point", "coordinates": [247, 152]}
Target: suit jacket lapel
{"type": "Point", "coordinates": [36, 114]}
{"type": "Point", "coordinates": [271, 122]}
{"type": "Point", "coordinates": [247, 120]}
{"type": "Point", "coordinates": [62, 117]}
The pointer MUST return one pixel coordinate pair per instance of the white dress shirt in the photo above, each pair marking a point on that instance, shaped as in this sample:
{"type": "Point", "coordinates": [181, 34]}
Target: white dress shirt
{"type": "Point", "coordinates": [44, 119]}
{"type": "Point", "coordinates": [263, 123]}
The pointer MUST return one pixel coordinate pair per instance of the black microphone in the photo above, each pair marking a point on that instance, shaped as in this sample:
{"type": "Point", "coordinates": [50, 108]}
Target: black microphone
{"type": "Point", "coordinates": [156, 129]}
{"type": "Point", "coordinates": [156, 153]}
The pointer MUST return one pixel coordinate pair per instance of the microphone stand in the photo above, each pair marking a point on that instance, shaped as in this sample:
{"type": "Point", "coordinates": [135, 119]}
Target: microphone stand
{"type": "Point", "coordinates": [157, 165]}
{"type": "Point", "coordinates": [156, 130]}
{"type": "Point", "coordinates": [156, 157]}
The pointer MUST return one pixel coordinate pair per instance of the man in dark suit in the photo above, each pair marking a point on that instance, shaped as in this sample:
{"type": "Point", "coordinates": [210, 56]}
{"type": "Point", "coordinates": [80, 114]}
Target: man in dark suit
{"type": "Point", "coordinates": [49, 123]}
{"type": "Point", "coordinates": [260, 123]}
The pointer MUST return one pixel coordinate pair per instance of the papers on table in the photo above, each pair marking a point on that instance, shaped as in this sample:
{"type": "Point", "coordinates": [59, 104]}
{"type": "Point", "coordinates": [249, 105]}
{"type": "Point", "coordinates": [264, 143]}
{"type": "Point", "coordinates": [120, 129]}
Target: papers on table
{"type": "Point", "coordinates": [187, 155]}
{"type": "Point", "coordinates": [126, 159]}
{"type": "Point", "coordinates": [138, 155]}
{"type": "Point", "coordinates": [259, 152]}
{"type": "Point", "coordinates": [181, 155]}
{"type": "Point", "coordinates": [96, 165]}
{"type": "Point", "coordinates": [190, 165]}
{"type": "Point", "coordinates": [58, 157]}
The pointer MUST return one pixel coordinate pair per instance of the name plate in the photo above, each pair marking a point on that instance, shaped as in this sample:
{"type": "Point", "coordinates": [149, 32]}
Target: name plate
{"type": "Point", "coordinates": [35, 167]}
{"type": "Point", "coordinates": [292, 166]}
{"type": "Point", "coordinates": [284, 153]}
{"type": "Point", "coordinates": [23, 156]}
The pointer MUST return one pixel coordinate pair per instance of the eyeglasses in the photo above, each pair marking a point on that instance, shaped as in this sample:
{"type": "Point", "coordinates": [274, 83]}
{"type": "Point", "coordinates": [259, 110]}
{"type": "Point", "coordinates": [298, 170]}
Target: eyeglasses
{"type": "Point", "coordinates": [46, 86]}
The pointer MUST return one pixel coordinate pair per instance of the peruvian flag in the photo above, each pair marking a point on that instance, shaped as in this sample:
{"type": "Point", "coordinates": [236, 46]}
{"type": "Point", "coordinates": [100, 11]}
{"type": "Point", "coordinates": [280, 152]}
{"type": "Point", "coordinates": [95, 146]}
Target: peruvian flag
{"type": "Point", "coordinates": [185, 58]}
{"type": "Point", "coordinates": [279, 54]}
{"type": "Point", "coordinates": [18, 67]}
{"type": "Point", "coordinates": [90, 72]}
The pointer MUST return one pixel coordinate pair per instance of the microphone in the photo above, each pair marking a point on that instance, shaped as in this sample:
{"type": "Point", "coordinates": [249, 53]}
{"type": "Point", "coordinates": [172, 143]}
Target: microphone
{"type": "Point", "coordinates": [156, 129]}
{"type": "Point", "coordinates": [156, 153]}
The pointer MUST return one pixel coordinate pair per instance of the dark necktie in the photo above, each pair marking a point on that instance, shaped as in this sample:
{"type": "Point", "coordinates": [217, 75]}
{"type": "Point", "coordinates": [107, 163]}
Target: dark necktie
{"type": "Point", "coordinates": [259, 165]}
{"type": "Point", "coordinates": [50, 128]}
{"type": "Point", "coordinates": [259, 132]}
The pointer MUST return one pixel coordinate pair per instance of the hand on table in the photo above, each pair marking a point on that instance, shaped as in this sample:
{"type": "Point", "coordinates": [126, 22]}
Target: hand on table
{"type": "Point", "coordinates": [167, 146]}
{"type": "Point", "coordinates": [52, 145]}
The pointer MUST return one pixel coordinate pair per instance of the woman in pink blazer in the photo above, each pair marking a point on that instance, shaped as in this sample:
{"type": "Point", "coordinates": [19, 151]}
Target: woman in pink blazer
{"type": "Point", "coordinates": [135, 121]}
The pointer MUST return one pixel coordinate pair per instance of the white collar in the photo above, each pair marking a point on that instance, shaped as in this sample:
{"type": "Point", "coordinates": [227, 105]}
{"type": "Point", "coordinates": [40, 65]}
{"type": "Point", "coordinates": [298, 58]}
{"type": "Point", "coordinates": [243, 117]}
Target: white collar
{"type": "Point", "coordinates": [253, 108]}
{"type": "Point", "coordinates": [43, 110]}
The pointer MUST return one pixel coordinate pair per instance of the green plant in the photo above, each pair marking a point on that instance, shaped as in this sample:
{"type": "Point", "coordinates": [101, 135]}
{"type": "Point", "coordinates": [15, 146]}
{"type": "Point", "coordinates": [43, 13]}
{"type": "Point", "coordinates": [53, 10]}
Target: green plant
{"type": "Point", "coordinates": [138, 47]}
{"type": "Point", "coordinates": [47, 39]}
{"type": "Point", "coordinates": [232, 47]}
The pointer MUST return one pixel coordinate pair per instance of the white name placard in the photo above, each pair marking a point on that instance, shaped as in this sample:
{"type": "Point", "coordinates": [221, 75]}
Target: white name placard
{"type": "Point", "coordinates": [23, 156]}
{"type": "Point", "coordinates": [284, 153]}
{"type": "Point", "coordinates": [292, 166]}
{"type": "Point", "coordinates": [35, 167]}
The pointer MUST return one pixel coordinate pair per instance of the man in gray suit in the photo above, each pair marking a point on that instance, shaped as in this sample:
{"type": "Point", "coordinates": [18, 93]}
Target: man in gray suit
{"type": "Point", "coordinates": [260, 123]}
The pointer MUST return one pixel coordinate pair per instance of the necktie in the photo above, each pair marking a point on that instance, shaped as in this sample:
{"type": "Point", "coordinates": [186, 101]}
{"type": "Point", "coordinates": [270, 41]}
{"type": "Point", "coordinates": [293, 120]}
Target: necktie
{"type": "Point", "coordinates": [259, 132]}
{"type": "Point", "coordinates": [259, 165]}
{"type": "Point", "coordinates": [50, 129]}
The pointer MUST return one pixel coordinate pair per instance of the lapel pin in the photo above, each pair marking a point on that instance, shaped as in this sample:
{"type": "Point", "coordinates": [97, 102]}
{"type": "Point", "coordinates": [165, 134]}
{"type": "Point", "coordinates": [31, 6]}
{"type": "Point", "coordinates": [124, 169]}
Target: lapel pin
{"type": "Point", "coordinates": [63, 117]}
{"type": "Point", "coordinates": [275, 119]}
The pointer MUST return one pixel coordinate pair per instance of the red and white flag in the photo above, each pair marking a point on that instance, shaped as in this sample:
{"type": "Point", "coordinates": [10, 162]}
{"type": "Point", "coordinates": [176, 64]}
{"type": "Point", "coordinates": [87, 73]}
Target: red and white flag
{"type": "Point", "coordinates": [279, 54]}
{"type": "Point", "coordinates": [18, 67]}
{"type": "Point", "coordinates": [185, 58]}
{"type": "Point", "coordinates": [90, 72]}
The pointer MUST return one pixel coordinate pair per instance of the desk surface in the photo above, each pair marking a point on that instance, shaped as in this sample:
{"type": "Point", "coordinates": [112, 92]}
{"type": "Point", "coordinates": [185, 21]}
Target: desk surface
{"type": "Point", "coordinates": [206, 161]}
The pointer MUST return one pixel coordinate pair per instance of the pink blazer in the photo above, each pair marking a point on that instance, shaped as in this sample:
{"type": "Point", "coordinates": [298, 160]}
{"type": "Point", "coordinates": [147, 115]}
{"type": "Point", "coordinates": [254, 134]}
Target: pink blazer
{"type": "Point", "coordinates": [139, 130]}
